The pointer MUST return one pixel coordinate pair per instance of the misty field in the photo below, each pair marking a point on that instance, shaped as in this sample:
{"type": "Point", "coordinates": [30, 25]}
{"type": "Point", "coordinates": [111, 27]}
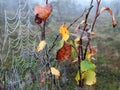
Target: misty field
{"type": "Point", "coordinates": [59, 45]}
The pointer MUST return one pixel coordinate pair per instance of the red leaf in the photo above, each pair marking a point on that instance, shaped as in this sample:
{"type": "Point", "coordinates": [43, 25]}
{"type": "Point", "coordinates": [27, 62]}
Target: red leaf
{"type": "Point", "coordinates": [65, 52]}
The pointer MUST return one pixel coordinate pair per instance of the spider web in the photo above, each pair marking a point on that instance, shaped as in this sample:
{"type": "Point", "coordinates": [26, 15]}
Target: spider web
{"type": "Point", "coordinates": [19, 60]}
{"type": "Point", "coordinates": [18, 47]}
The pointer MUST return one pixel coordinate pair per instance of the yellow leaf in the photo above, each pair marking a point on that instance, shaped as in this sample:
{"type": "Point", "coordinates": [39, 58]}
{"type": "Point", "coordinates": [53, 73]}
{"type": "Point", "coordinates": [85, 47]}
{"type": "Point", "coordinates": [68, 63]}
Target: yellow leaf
{"type": "Point", "coordinates": [41, 46]}
{"type": "Point", "coordinates": [90, 77]}
{"type": "Point", "coordinates": [88, 55]}
{"type": "Point", "coordinates": [77, 77]}
{"type": "Point", "coordinates": [64, 32]}
{"type": "Point", "coordinates": [55, 71]}
{"type": "Point", "coordinates": [76, 42]}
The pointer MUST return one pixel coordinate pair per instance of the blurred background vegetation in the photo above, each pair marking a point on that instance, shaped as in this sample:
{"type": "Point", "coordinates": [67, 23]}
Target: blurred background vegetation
{"type": "Point", "coordinates": [107, 38]}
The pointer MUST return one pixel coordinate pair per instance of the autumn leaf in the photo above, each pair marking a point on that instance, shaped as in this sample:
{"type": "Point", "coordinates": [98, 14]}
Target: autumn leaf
{"type": "Point", "coordinates": [73, 51]}
{"type": "Point", "coordinates": [42, 12]}
{"type": "Point", "coordinates": [74, 61]}
{"type": "Point", "coordinates": [93, 33]}
{"type": "Point", "coordinates": [61, 43]}
{"type": "Point", "coordinates": [77, 77]}
{"type": "Point", "coordinates": [55, 72]}
{"type": "Point", "coordinates": [90, 77]}
{"type": "Point", "coordinates": [41, 46]}
{"type": "Point", "coordinates": [111, 13]}
{"type": "Point", "coordinates": [64, 32]}
{"type": "Point", "coordinates": [88, 55]}
{"type": "Point", "coordinates": [64, 53]}
{"type": "Point", "coordinates": [93, 50]}
{"type": "Point", "coordinates": [87, 65]}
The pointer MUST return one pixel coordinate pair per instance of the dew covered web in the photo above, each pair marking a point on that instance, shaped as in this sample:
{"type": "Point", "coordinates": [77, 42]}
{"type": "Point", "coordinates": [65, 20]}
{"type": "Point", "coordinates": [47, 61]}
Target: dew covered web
{"type": "Point", "coordinates": [18, 58]}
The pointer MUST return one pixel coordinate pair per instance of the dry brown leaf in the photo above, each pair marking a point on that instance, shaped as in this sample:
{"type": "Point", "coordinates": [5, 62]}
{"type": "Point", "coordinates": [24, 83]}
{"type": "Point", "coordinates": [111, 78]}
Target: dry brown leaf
{"type": "Point", "coordinates": [111, 13]}
{"type": "Point", "coordinates": [42, 12]}
{"type": "Point", "coordinates": [64, 53]}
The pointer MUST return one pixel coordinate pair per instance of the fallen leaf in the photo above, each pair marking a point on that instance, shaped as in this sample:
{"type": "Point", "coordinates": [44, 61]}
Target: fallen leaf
{"type": "Point", "coordinates": [64, 53]}
{"type": "Point", "coordinates": [111, 13]}
{"type": "Point", "coordinates": [42, 12]}
{"type": "Point", "coordinates": [41, 45]}
{"type": "Point", "coordinates": [64, 32]}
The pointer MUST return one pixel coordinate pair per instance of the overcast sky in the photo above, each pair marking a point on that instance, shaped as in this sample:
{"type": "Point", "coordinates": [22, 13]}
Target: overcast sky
{"type": "Point", "coordinates": [79, 1]}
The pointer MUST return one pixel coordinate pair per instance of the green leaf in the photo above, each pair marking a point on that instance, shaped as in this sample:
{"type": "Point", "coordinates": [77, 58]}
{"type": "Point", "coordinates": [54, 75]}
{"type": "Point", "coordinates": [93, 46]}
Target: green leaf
{"type": "Point", "coordinates": [73, 53]}
{"type": "Point", "coordinates": [87, 65]}
{"type": "Point", "coordinates": [90, 77]}
{"type": "Point", "coordinates": [61, 43]}
{"type": "Point", "coordinates": [77, 77]}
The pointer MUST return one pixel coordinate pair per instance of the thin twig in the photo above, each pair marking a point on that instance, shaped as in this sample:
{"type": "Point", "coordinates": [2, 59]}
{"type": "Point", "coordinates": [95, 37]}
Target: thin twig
{"type": "Point", "coordinates": [93, 24]}
{"type": "Point", "coordinates": [46, 1]}
{"type": "Point", "coordinates": [43, 32]}
{"type": "Point", "coordinates": [96, 15]}
{"type": "Point", "coordinates": [77, 19]}
{"type": "Point", "coordinates": [53, 43]}
{"type": "Point", "coordinates": [80, 49]}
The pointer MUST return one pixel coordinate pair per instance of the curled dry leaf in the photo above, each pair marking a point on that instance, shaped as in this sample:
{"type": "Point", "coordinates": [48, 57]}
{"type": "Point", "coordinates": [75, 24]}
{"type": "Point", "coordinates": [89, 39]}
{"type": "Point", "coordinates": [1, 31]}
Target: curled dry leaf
{"type": "Point", "coordinates": [42, 77]}
{"type": "Point", "coordinates": [64, 53]}
{"type": "Point", "coordinates": [77, 28]}
{"type": "Point", "coordinates": [41, 46]}
{"type": "Point", "coordinates": [93, 33]}
{"type": "Point", "coordinates": [111, 13]}
{"type": "Point", "coordinates": [64, 32]}
{"type": "Point", "coordinates": [42, 13]}
{"type": "Point", "coordinates": [74, 61]}
{"type": "Point", "coordinates": [82, 22]}
{"type": "Point", "coordinates": [93, 50]}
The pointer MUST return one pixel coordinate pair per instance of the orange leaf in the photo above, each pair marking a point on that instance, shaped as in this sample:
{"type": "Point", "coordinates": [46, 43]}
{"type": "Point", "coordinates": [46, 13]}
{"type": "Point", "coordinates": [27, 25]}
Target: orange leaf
{"type": "Point", "coordinates": [93, 50]}
{"type": "Point", "coordinates": [111, 13]}
{"type": "Point", "coordinates": [64, 53]}
{"type": "Point", "coordinates": [42, 12]}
